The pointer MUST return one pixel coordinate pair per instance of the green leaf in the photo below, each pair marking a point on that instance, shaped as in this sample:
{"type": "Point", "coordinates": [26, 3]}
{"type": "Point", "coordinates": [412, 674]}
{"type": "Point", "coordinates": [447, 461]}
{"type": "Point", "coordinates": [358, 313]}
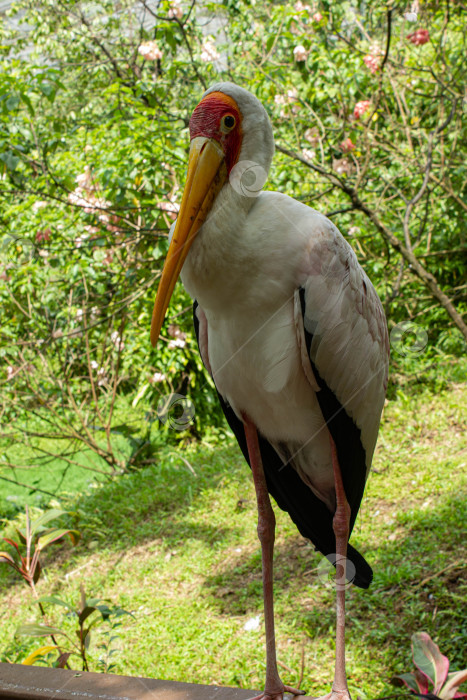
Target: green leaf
{"type": "Point", "coordinates": [11, 161]}
{"type": "Point", "coordinates": [8, 559]}
{"type": "Point", "coordinates": [84, 614]}
{"type": "Point", "coordinates": [36, 629]}
{"type": "Point", "coordinates": [28, 103]}
{"type": "Point", "coordinates": [407, 679]}
{"type": "Point", "coordinates": [54, 600]}
{"type": "Point", "coordinates": [12, 102]}
{"type": "Point", "coordinates": [48, 89]}
{"type": "Point", "coordinates": [429, 660]}
{"type": "Point", "coordinates": [140, 395]}
{"type": "Point", "coordinates": [37, 571]}
{"type": "Point", "coordinates": [55, 535]}
{"type": "Point", "coordinates": [46, 518]}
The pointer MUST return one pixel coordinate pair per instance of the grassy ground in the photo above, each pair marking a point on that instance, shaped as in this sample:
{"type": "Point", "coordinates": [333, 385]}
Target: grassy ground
{"type": "Point", "coordinates": [176, 545]}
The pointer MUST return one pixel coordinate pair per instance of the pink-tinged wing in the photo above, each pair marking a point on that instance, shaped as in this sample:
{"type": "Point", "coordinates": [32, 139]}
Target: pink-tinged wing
{"type": "Point", "coordinates": [343, 315]}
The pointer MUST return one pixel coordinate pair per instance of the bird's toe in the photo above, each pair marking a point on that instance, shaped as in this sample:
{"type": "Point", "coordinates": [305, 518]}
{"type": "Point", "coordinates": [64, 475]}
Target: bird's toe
{"type": "Point", "coordinates": [335, 695]}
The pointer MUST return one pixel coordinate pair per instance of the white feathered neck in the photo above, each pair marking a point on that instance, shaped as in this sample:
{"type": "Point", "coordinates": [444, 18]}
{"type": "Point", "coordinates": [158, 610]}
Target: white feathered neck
{"type": "Point", "coordinates": [219, 251]}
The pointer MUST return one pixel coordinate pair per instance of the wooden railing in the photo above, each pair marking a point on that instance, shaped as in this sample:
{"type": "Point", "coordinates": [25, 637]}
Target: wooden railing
{"type": "Point", "coordinates": [19, 682]}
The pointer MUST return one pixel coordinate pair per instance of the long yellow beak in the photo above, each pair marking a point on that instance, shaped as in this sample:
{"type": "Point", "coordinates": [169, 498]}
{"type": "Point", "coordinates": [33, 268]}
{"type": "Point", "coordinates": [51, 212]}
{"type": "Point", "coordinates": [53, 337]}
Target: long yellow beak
{"type": "Point", "coordinates": [206, 175]}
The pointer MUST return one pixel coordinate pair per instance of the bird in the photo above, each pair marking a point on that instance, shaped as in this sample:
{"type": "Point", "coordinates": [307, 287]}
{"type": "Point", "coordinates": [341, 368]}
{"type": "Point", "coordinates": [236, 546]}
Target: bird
{"type": "Point", "coordinates": [293, 334]}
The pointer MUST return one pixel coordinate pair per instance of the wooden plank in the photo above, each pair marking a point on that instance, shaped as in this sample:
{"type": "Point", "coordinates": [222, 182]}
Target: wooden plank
{"type": "Point", "coordinates": [19, 682]}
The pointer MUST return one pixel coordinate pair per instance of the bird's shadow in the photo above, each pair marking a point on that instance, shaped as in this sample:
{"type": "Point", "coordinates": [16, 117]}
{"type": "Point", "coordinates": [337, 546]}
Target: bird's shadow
{"type": "Point", "coordinates": [419, 571]}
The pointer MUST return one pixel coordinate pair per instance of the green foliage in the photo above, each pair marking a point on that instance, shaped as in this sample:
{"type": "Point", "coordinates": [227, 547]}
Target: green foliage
{"type": "Point", "coordinates": [34, 539]}
{"type": "Point", "coordinates": [175, 543]}
{"type": "Point", "coordinates": [432, 671]}
{"type": "Point", "coordinates": [93, 149]}
{"type": "Point", "coordinates": [76, 624]}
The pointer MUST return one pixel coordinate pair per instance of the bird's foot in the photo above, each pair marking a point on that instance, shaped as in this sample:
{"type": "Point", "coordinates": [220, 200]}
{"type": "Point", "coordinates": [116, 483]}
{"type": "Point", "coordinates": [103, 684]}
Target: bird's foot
{"type": "Point", "coordinates": [336, 695]}
{"type": "Point", "coordinates": [278, 694]}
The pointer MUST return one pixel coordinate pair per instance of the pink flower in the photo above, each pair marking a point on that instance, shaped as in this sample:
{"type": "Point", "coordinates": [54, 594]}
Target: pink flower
{"type": "Point", "coordinates": [85, 179]}
{"type": "Point", "coordinates": [175, 10]}
{"type": "Point", "coordinates": [91, 229]}
{"type": "Point", "coordinates": [317, 17]}
{"type": "Point", "coordinates": [288, 99]}
{"type": "Point", "coordinates": [39, 205]}
{"type": "Point", "coordinates": [299, 53]}
{"type": "Point", "coordinates": [360, 108]}
{"type": "Point", "coordinates": [300, 7]}
{"type": "Point", "coordinates": [209, 52]}
{"type": "Point", "coordinates": [86, 199]}
{"type": "Point", "coordinates": [79, 241]}
{"type": "Point", "coordinates": [117, 341]}
{"type": "Point", "coordinates": [372, 62]}
{"type": "Point", "coordinates": [150, 51]}
{"type": "Point", "coordinates": [342, 166]}
{"type": "Point", "coordinates": [312, 136]}
{"type": "Point", "coordinates": [347, 146]}
{"type": "Point", "coordinates": [43, 235]}
{"type": "Point", "coordinates": [171, 208]}
{"type": "Point", "coordinates": [108, 258]}
{"type": "Point", "coordinates": [175, 332]}
{"type": "Point", "coordinates": [419, 37]}
{"type": "Point", "coordinates": [177, 343]}
{"type": "Point", "coordinates": [102, 377]}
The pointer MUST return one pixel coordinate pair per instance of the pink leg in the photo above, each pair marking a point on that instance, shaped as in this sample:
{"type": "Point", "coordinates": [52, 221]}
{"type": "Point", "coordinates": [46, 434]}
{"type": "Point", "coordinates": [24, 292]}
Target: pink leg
{"type": "Point", "coordinates": [340, 526]}
{"type": "Point", "coordinates": [274, 689]}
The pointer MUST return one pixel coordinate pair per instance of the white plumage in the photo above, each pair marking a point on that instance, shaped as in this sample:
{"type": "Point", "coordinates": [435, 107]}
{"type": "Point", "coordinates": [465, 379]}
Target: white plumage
{"type": "Point", "coordinates": [254, 353]}
{"type": "Point", "coordinates": [293, 334]}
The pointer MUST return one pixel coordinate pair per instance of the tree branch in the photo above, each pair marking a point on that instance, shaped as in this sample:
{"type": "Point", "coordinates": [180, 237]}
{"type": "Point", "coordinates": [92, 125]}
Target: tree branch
{"type": "Point", "coordinates": [414, 264]}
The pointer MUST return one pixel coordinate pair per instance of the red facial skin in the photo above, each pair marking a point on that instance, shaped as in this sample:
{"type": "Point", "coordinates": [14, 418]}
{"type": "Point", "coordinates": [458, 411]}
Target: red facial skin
{"type": "Point", "coordinates": [206, 121]}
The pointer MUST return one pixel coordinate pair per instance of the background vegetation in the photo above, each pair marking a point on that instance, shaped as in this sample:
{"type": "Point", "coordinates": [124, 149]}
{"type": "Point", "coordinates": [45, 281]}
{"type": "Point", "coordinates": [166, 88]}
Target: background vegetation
{"type": "Point", "coordinates": [366, 103]}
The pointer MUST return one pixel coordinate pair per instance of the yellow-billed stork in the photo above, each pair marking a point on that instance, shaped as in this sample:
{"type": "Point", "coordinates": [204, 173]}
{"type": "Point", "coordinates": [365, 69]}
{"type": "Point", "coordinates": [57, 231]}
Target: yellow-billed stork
{"type": "Point", "coordinates": [293, 334]}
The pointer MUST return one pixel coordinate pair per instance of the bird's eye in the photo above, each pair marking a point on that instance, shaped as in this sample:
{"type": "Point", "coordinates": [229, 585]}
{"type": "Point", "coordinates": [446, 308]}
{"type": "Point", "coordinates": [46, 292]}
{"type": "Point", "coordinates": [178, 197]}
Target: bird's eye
{"type": "Point", "coordinates": [227, 123]}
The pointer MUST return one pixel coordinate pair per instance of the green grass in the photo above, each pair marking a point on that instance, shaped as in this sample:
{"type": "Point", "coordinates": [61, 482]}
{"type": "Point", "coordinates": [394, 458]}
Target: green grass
{"type": "Point", "coordinates": [36, 485]}
{"type": "Point", "coordinates": [179, 550]}
{"type": "Point", "coordinates": [39, 474]}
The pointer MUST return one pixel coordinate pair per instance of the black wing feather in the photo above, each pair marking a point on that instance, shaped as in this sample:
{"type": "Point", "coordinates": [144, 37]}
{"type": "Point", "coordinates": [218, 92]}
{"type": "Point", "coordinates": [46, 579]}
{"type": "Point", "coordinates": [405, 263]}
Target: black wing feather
{"type": "Point", "coordinates": [345, 433]}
